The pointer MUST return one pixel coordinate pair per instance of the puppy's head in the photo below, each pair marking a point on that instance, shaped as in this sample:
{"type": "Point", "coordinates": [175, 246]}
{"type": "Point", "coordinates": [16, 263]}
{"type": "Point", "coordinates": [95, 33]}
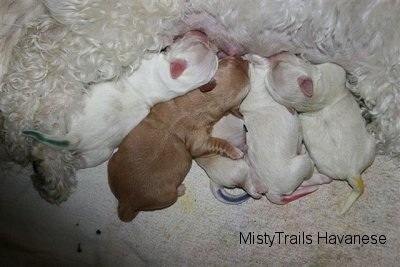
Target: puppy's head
{"type": "Point", "coordinates": [230, 84]}
{"type": "Point", "coordinates": [192, 62]}
{"type": "Point", "coordinates": [296, 83]}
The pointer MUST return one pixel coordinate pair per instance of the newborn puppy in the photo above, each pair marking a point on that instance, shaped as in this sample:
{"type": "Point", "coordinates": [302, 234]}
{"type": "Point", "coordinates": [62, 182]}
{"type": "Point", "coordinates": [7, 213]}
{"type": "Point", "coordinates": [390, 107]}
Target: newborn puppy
{"type": "Point", "coordinates": [334, 131]}
{"type": "Point", "coordinates": [147, 171]}
{"type": "Point", "coordinates": [112, 109]}
{"type": "Point", "coordinates": [227, 173]}
{"type": "Point", "coordinates": [274, 141]}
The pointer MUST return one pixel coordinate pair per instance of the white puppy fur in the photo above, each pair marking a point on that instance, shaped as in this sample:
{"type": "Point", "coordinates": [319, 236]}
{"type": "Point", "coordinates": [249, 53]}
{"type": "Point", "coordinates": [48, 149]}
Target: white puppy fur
{"type": "Point", "coordinates": [274, 141]}
{"type": "Point", "coordinates": [112, 109]}
{"type": "Point", "coordinates": [334, 131]}
{"type": "Point", "coordinates": [227, 173]}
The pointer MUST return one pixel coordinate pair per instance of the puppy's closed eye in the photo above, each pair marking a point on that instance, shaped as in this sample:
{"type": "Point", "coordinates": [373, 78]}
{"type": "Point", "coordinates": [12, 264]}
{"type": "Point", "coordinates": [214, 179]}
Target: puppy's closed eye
{"type": "Point", "coordinates": [208, 86]}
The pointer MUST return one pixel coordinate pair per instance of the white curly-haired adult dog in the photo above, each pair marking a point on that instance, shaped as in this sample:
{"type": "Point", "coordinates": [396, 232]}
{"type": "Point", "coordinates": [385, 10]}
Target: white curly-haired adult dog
{"type": "Point", "coordinates": [360, 36]}
{"type": "Point", "coordinates": [65, 45]}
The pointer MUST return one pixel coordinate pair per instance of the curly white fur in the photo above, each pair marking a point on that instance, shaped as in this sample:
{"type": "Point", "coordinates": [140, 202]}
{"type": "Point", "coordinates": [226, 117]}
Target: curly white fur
{"type": "Point", "coordinates": [91, 46]}
{"type": "Point", "coordinates": [361, 36]}
{"type": "Point", "coordinates": [51, 50]}
{"type": "Point", "coordinates": [13, 16]}
{"type": "Point", "coordinates": [66, 48]}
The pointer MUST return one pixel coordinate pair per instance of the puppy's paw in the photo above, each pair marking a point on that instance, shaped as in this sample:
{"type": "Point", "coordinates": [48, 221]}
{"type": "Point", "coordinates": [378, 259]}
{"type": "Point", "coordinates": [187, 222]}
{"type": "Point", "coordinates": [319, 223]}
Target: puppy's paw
{"type": "Point", "coordinates": [260, 187]}
{"type": "Point", "coordinates": [257, 189]}
{"type": "Point", "coordinates": [222, 147]}
{"type": "Point", "coordinates": [181, 190]}
{"type": "Point", "coordinates": [244, 147]}
{"type": "Point", "coordinates": [235, 154]}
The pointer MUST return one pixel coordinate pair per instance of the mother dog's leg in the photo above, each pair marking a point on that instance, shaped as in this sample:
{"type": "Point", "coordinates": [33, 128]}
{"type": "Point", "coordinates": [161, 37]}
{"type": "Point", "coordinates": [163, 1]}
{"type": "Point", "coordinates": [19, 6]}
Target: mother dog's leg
{"type": "Point", "coordinates": [54, 176]}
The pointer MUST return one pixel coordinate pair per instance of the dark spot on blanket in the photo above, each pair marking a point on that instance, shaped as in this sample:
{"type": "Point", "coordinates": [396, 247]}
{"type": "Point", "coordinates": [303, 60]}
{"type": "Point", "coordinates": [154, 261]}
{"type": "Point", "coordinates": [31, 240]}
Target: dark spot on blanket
{"type": "Point", "coordinates": [79, 249]}
{"type": "Point", "coordinates": [98, 232]}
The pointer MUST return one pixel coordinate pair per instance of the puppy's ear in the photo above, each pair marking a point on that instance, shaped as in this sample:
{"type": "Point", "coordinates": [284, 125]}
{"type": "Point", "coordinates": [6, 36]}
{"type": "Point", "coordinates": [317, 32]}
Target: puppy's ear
{"type": "Point", "coordinates": [306, 85]}
{"type": "Point", "coordinates": [208, 86]}
{"type": "Point", "coordinates": [177, 67]}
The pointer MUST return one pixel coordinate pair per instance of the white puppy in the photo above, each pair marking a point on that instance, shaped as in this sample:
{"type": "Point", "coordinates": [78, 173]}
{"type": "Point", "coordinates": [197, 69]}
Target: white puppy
{"type": "Point", "coordinates": [112, 109]}
{"type": "Point", "coordinates": [227, 173]}
{"type": "Point", "coordinates": [274, 141]}
{"type": "Point", "coordinates": [334, 131]}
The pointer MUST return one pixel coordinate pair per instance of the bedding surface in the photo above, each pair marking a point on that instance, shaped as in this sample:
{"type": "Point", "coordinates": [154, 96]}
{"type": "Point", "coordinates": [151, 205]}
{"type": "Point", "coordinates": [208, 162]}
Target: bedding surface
{"type": "Point", "coordinates": [198, 230]}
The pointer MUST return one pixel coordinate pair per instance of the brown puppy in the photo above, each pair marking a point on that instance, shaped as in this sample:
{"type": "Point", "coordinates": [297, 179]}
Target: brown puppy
{"type": "Point", "coordinates": [147, 171]}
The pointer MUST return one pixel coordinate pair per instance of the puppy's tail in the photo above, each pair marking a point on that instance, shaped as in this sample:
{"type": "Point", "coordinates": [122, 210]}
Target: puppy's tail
{"type": "Point", "coordinates": [51, 140]}
{"type": "Point", "coordinates": [358, 186]}
{"type": "Point", "coordinates": [222, 195]}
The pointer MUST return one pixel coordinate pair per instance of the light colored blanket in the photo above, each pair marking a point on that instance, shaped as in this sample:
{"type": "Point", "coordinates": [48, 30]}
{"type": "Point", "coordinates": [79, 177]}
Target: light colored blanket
{"type": "Point", "coordinates": [198, 230]}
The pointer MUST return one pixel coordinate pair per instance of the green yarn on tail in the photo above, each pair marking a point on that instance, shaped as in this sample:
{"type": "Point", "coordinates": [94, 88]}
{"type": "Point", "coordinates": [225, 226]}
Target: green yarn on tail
{"type": "Point", "coordinates": [43, 139]}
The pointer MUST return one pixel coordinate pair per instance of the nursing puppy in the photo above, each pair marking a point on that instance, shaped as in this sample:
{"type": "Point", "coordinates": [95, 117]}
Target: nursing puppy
{"type": "Point", "coordinates": [227, 173]}
{"type": "Point", "coordinates": [334, 131]}
{"type": "Point", "coordinates": [274, 141]}
{"type": "Point", "coordinates": [112, 109]}
{"type": "Point", "coordinates": [349, 33]}
{"type": "Point", "coordinates": [147, 171]}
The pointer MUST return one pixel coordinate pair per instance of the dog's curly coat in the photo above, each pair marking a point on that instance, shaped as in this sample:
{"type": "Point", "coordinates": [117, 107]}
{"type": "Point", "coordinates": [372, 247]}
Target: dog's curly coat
{"type": "Point", "coordinates": [65, 48]}
{"type": "Point", "coordinates": [51, 50]}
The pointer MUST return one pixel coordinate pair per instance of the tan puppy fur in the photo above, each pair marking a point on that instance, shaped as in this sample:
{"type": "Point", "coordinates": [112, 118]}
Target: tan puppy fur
{"type": "Point", "coordinates": [151, 163]}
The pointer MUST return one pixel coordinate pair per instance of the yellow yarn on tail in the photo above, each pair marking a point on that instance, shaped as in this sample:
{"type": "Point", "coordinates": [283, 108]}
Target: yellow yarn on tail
{"type": "Point", "coordinates": [358, 189]}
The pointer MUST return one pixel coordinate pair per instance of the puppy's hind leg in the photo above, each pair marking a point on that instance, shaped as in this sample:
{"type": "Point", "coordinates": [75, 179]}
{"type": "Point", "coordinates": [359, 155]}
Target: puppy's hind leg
{"type": "Point", "coordinates": [316, 179]}
{"type": "Point", "coordinates": [301, 168]}
{"type": "Point", "coordinates": [126, 213]}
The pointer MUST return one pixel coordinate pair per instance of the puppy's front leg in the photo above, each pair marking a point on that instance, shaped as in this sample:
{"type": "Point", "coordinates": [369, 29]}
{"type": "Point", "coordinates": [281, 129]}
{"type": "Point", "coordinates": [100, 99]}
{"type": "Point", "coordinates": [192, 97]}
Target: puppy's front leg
{"type": "Point", "coordinates": [213, 145]}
